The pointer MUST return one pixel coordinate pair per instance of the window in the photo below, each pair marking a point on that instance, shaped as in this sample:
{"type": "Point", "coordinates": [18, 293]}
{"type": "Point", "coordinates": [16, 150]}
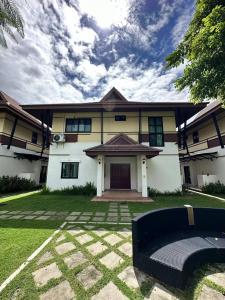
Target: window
{"type": "Point", "coordinates": [70, 170]}
{"type": "Point", "coordinates": [78, 125]}
{"type": "Point", "coordinates": [120, 118]}
{"type": "Point", "coordinates": [156, 136]}
{"type": "Point", "coordinates": [195, 137]}
{"type": "Point", "coordinates": [34, 137]}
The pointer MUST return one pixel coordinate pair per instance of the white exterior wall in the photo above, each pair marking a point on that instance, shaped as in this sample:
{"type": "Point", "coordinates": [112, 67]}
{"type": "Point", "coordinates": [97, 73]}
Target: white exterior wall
{"type": "Point", "coordinates": [12, 166]}
{"type": "Point", "coordinates": [70, 152]}
{"type": "Point", "coordinates": [163, 171]}
{"type": "Point", "coordinates": [205, 166]}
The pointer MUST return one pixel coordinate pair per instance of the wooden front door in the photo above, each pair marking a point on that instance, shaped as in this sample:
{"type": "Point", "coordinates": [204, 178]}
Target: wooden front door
{"type": "Point", "coordinates": [120, 176]}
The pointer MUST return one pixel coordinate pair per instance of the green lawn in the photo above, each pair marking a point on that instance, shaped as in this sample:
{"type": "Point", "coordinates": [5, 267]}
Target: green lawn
{"type": "Point", "coordinates": [18, 239]}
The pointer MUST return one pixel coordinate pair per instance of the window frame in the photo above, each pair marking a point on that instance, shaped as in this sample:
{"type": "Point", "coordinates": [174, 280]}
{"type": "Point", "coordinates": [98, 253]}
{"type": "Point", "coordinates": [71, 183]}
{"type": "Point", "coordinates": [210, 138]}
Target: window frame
{"type": "Point", "coordinates": [69, 162]}
{"type": "Point", "coordinates": [195, 141]}
{"type": "Point", "coordinates": [120, 118]}
{"type": "Point", "coordinates": [36, 137]}
{"type": "Point", "coordinates": [156, 133]}
{"type": "Point", "coordinates": [78, 125]}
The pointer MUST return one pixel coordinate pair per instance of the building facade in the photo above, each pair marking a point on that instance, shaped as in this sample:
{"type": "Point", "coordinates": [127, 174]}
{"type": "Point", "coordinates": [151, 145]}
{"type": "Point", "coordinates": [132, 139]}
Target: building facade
{"type": "Point", "coordinates": [115, 143]}
{"type": "Point", "coordinates": [21, 142]}
{"type": "Point", "coordinates": [202, 153]}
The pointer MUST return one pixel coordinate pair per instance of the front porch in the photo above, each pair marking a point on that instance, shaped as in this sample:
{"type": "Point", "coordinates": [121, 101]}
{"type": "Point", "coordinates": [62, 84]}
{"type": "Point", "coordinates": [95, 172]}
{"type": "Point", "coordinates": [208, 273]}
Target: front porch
{"type": "Point", "coordinates": [122, 196]}
{"type": "Point", "coordinates": [122, 169]}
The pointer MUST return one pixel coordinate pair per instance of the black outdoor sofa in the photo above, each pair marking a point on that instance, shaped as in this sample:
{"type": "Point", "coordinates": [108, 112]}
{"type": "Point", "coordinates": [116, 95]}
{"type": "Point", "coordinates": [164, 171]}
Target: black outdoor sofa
{"type": "Point", "coordinates": [169, 244]}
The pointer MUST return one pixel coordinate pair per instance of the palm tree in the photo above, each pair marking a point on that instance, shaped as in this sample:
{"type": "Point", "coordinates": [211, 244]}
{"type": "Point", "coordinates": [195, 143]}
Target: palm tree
{"type": "Point", "coordinates": [10, 19]}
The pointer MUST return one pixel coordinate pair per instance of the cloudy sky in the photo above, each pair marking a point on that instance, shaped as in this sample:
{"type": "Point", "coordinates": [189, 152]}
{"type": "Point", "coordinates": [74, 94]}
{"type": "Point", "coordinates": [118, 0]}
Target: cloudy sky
{"type": "Point", "coordinates": [76, 50]}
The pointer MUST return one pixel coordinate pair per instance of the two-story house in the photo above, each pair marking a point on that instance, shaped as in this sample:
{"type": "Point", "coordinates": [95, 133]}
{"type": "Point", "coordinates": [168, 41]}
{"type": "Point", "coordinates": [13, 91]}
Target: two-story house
{"type": "Point", "coordinates": [23, 151]}
{"type": "Point", "coordinates": [115, 143]}
{"type": "Point", "coordinates": [202, 153]}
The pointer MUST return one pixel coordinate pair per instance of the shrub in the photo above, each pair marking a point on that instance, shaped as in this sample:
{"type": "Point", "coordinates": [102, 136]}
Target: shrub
{"type": "Point", "coordinates": [87, 190]}
{"type": "Point", "coordinates": [214, 188]}
{"type": "Point", "coordinates": [155, 192]}
{"type": "Point", "coordinates": [11, 184]}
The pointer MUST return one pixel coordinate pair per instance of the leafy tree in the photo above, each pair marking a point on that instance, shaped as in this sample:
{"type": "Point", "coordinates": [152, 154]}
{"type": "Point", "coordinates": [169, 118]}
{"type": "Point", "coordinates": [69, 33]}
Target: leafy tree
{"type": "Point", "coordinates": [203, 52]}
{"type": "Point", "coordinates": [10, 19]}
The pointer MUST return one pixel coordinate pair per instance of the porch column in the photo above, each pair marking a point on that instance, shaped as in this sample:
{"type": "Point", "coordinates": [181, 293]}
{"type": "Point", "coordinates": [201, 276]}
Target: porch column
{"type": "Point", "coordinates": [144, 176]}
{"type": "Point", "coordinates": [138, 173]}
{"type": "Point", "coordinates": [99, 175]}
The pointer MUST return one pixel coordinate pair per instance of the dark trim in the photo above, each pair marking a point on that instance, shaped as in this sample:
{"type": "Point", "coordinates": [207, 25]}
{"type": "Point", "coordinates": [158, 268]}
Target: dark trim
{"type": "Point", "coordinates": [12, 133]}
{"type": "Point", "coordinates": [148, 154]}
{"type": "Point", "coordinates": [140, 127]}
{"type": "Point", "coordinates": [69, 162]}
{"type": "Point", "coordinates": [71, 137]}
{"type": "Point", "coordinates": [215, 142]}
{"type": "Point", "coordinates": [102, 127]}
{"type": "Point", "coordinates": [185, 138]}
{"type": "Point", "coordinates": [4, 140]}
{"type": "Point", "coordinates": [43, 134]}
{"type": "Point", "coordinates": [218, 130]}
{"type": "Point", "coordinates": [168, 137]}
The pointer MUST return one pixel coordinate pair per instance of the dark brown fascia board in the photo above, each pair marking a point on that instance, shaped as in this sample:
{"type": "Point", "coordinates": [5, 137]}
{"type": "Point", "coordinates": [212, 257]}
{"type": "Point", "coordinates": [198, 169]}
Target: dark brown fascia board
{"type": "Point", "coordinates": [204, 117]}
{"type": "Point", "coordinates": [21, 116]}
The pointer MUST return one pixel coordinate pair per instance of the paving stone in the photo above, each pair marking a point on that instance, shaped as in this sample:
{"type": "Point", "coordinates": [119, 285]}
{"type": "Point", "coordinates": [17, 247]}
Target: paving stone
{"type": "Point", "coordinates": [71, 218]}
{"type": "Point", "coordinates": [98, 219]}
{"type": "Point", "coordinates": [87, 213]}
{"type": "Point", "coordinates": [111, 260]}
{"type": "Point", "coordinates": [4, 216]}
{"type": "Point", "coordinates": [126, 249]}
{"type": "Point", "coordinates": [89, 227]}
{"type": "Point", "coordinates": [100, 214]}
{"type": "Point", "coordinates": [75, 213]}
{"type": "Point", "coordinates": [27, 212]}
{"type": "Point", "coordinates": [136, 214]}
{"type": "Point", "coordinates": [60, 238]}
{"type": "Point", "coordinates": [160, 293]}
{"type": "Point", "coordinates": [208, 293]}
{"type": "Point", "coordinates": [64, 248]}
{"type": "Point", "coordinates": [84, 238]}
{"type": "Point", "coordinates": [15, 212]}
{"type": "Point", "coordinates": [15, 217]}
{"type": "Point", "coordinates": [109, 292]}
{"type": "Point", "coordinates": [217, 278]}
{"type": "Point", "coordinates": [112, 239]}
{"type": "Point", "coordinates": [42, 218]}
{"type": "Point", "coordinates": [113, 210]}
{"type": "Point", "coordinates": [125, 232]}
{"type": "Point", "coordinates": [89, 277]}
{"type": "Point", "coordinates": [132, 277]}
{"type": "Point", "coordinates": [29, 217]}
{"type": "Point", "coordinates": [112, 219]}
{"type": "Point", "coordinates": [125, 219]}
{"type": "Point", "coordinates": [75, 260]}
{"type": "Point", "coordinates": [50, 213]}
{"type": "Point", "coordinates": [43, 275]}
{"type": "Point", "coordinates": [2, 212]}
{"type": "Point", "coordinates": [96, 248]}
{"type": "Point", "coordinates": [45, 257]}
{"type": "Point", "coordinates": [84, 218]}
{"type": "Point", "coordinates": [125, 214]}
{"type": "Point", "coordinates": [62, 291]}
{"type": "Point", "coordinates": [75, 231]}
{"type": "Point", "coordinates": [62, 213]}
{"type": "Point", "coordinates": [39, 212]}
{"type": "Point", "coordinates": [112, 214]}
{"type": "Point", "coordinates": [100, 232]}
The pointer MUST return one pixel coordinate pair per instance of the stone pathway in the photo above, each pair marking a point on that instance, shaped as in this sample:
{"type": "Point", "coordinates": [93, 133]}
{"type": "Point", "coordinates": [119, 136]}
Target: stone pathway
{"type": "Point", "coordinates": [95, 262]}
{"type": "Point", "coordinates": [117, 213]}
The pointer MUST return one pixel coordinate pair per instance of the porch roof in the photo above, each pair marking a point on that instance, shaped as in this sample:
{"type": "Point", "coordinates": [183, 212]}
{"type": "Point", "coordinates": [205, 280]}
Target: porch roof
{"type": "Point", "coordinates": [122, 145]}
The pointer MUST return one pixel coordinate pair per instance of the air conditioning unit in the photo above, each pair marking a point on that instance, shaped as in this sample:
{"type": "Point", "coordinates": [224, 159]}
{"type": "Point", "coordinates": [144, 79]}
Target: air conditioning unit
{"type": "Point", "coordinates": [59, 138]}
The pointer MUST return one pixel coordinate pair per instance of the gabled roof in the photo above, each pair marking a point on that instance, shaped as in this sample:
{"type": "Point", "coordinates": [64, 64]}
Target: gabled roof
{"type": "Point", "coordinates": [121, 145]}
{"type": "Point", "coordinates": [201, 116]}
{"type": "Point", "coordinates": [12, 106]}
{"type": "Point", "coordinates": [114, 96]}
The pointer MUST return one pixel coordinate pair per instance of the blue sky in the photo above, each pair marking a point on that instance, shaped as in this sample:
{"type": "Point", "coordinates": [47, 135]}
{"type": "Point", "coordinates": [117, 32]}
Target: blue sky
{"type": "Point", "coordinates": [76, 50]}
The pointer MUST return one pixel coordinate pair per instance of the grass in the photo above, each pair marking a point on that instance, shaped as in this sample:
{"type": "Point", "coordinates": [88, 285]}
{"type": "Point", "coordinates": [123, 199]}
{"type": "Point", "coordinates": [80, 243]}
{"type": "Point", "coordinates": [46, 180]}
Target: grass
{"type": "Point", "coordinates": [18, 239]}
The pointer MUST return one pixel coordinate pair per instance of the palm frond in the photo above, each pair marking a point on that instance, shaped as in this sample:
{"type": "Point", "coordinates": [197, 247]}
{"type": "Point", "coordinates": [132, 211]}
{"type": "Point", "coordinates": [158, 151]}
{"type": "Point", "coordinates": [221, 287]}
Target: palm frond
{"type": "Point", "coordinates": [10, 17]}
